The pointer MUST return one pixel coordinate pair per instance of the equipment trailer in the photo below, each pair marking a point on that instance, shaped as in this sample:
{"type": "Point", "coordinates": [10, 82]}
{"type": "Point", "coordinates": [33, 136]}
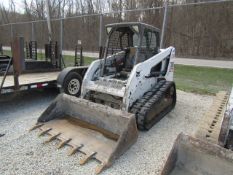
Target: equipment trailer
{"type": "Point", "coordinates": [19, 74]}
{"type": "Point", "coordinates": [29, 81]}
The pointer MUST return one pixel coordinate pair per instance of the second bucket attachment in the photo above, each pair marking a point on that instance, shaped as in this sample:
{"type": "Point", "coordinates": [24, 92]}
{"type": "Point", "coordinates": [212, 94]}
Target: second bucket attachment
{"type": "Point", "coordinates": [98, 131]}
{"type": "Point", "coordinates": [192, 156]}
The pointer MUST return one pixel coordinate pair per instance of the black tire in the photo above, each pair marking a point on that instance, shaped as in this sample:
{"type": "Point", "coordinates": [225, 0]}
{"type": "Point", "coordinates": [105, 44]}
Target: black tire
{"type": "Point", "coordinates": [72, 84]}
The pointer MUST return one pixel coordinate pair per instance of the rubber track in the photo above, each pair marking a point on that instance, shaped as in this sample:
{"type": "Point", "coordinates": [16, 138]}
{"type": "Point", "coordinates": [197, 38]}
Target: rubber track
{"type": "Point", "coordinates": [139, 103]}
{"type": "Point", "coordinates": [143, 105]}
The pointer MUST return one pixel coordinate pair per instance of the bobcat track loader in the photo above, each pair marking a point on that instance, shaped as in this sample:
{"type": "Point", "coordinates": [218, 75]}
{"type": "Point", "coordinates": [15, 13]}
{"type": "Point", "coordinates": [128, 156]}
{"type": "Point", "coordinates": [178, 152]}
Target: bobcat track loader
{"type": "Point", "coordinates": [210, 150]}
{"type": "Point", "coordinates": [131, 88]}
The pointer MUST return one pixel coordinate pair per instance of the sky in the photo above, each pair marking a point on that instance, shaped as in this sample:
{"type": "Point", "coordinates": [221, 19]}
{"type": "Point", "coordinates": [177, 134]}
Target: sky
{"type": "Point", "coordinates": [19, 5]}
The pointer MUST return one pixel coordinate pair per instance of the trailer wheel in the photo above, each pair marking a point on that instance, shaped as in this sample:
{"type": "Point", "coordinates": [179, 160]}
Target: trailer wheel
{"type": "Point", "coordinates": [72, 84]}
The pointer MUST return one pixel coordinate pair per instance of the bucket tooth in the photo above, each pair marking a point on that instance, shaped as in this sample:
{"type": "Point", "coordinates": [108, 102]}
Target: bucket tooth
{"type": "Point", "coordinates": [63, 143]}
{"type": "Point", "coordinates": [36, 126]}
{"type": "Point", "coordinates": [44, 132]}
{"type": "Point", "coordinates": [52, 138]}
{"type": "Point", "coordinates": [86, 158]}
{"type": "Point", "coordinates": [100, 168]}
{"type": "Point", "coordinates": [74, 150]}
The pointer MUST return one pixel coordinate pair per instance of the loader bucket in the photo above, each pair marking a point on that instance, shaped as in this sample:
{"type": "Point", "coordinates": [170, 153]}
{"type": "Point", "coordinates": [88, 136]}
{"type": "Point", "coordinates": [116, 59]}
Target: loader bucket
{"type": "Point", "coordinates": [192, 156]}
{"type": "Point", "coordinates": [98, 131]}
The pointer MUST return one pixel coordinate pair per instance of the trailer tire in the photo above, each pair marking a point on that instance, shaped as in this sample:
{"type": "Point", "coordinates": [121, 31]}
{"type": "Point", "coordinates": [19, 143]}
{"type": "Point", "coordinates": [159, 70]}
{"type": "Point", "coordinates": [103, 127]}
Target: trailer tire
{"type": "Point", "coordinates": [72, 84]}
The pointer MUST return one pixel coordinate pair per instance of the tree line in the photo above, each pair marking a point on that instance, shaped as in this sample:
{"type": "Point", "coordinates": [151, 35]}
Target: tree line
{"type": "Point", "coordinates": [204, 30]}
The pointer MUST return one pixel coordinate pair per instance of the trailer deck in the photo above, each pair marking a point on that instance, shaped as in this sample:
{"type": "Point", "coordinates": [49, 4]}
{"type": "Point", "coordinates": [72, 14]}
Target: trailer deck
{"type": "Point", "coordinates": [30, 81]}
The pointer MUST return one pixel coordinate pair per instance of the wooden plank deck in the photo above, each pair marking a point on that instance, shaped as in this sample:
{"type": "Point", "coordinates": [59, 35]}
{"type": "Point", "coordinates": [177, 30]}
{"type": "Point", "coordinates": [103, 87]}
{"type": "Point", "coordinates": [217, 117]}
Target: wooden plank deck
{"type": "Point", "coordinates": [30, 78]}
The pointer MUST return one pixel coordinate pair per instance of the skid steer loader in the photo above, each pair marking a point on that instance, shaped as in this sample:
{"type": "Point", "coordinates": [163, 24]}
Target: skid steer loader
{"type": "Point", "coordinates": [209, 151]}
{"type": "Point", "coordinates": [131, 88]}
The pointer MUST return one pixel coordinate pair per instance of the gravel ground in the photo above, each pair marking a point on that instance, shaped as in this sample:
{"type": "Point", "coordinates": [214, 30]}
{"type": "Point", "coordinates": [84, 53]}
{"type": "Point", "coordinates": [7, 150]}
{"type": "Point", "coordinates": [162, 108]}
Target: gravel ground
{"type": "Point", "coordinates": [24, 153]}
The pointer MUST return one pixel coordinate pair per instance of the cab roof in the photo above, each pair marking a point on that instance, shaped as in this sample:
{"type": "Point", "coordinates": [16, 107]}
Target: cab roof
{"type": "Point", "coordinates": [128, 24]}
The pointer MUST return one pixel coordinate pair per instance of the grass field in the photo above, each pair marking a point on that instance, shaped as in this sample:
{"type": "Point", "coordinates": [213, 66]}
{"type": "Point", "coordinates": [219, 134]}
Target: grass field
{"type": "Point", "coordinates": [202, 80]}
{"type": "Point", "coordinates": [69, 60]}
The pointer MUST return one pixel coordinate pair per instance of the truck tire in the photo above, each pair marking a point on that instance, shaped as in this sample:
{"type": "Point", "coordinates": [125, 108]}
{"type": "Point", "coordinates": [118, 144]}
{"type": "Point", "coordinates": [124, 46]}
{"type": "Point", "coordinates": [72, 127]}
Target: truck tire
{"type": "Point", "coordinates": [72, 84]}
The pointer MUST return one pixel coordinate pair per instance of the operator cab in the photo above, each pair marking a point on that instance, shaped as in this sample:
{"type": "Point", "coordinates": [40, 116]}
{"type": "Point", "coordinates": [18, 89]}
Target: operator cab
{"type": "Point", "coordinates": [127, 45]}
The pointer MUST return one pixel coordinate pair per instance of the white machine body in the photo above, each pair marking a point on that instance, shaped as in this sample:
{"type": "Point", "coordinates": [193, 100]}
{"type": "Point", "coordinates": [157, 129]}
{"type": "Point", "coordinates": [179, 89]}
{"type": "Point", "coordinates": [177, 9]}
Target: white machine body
{"type": "Point", "coordinates": [137, 83]}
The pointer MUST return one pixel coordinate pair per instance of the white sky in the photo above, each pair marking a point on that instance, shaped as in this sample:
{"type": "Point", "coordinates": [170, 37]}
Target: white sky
{"type": "Point", "coordinates": [19, 5]}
